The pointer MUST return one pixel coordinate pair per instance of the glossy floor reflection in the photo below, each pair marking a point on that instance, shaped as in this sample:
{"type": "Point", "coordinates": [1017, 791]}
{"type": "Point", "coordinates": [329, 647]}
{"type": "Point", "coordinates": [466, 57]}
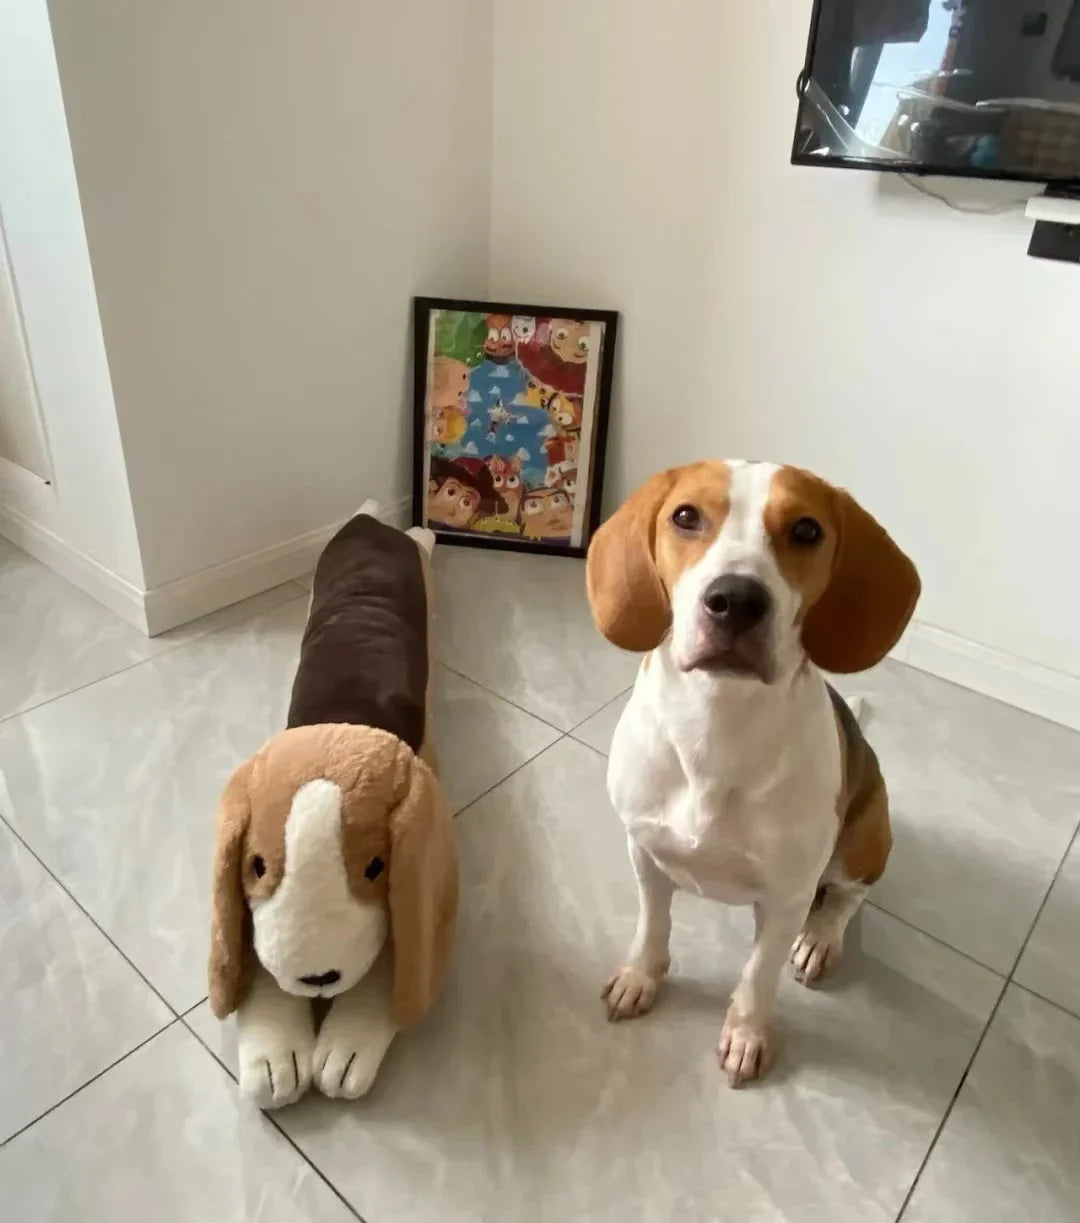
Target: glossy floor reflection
{"type": "Point", "coordinates": [515, 1100]}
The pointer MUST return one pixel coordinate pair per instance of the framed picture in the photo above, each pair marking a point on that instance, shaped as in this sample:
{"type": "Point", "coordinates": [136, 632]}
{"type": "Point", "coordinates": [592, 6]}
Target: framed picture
{"type": "Point", "coordinates": [512, 405]}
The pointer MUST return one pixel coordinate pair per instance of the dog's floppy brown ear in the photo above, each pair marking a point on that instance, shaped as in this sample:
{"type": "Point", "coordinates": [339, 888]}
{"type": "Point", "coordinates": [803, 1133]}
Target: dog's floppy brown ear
{"type": "Point", "coordinates": [423, 891]}
{"type": "Point", "coordinates": [629, 603]}
{"type": "Point", "coordinates": [229, 918]}
{"type": "Point", "coordinates": [870, 597]}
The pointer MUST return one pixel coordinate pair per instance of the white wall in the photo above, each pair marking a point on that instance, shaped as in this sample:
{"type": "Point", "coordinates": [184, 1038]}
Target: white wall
{"type": "Point", "coordinates": [830, 319]}
{"type": "Point", "coordinates": [86, 513]}
{"type": "Point", "coordinates": [22, 436]}
{"type": "Point", "coordinates": [265, 183]}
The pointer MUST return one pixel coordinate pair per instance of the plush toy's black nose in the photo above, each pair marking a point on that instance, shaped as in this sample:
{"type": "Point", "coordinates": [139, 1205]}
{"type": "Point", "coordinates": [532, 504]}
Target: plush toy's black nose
{"type": "Point", "coordinates": [322, 978]}
{"type": "Point", "coordinates": [737, 603]}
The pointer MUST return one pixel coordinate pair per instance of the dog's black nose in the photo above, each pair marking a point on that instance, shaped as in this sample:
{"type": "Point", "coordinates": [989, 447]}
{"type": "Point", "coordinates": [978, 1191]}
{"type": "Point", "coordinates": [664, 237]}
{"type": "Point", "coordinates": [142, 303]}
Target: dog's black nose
{"type": "Point", "coordinates": [737, 603]}
{"type": "Point", "coordinates": [322, 978]}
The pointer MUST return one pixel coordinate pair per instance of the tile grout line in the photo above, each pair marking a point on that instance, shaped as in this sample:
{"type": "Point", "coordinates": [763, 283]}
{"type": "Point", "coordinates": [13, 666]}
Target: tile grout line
{"type": "Point", "coordinates": [93, 1079]}
{"type": "Point", "coordinates": [936, 938]}
{"type": "Point", "coordinates": [272, 1120]}
{"type": "Point", "coordinates": [18, 713]}
{"type": "Point", "coordinates": [1058, 1006]}
{"type": "Point", "coordinates": [986, 1029]}
{"type": "Point", "coordinates": [581, 743]}
{"type": "Point", "coordinates": [596, 713]}
{"type": "Point", "coordinates": [142, 662]}
{"type": "Point", "coordinates": [1042, 906]}
{"type": "Point", "coordinates": [499, 696]}
{"type": "Point", "coordinates": [515, 770]}
{"type": "Point", "coordinates": [952, 1102]}
{"type": "Point", "coordinates": [90, 918]}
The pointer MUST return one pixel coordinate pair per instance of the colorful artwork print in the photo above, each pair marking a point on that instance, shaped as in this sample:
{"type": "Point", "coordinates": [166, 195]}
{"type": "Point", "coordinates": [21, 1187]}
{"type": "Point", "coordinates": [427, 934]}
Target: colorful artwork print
{"type": "Point", "coordinates": [512, 424]}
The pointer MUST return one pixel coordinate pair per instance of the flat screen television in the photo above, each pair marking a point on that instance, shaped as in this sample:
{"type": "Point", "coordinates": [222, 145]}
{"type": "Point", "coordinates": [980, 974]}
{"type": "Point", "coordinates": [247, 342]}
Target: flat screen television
{"type": "Point", "coordinates": [979, 88]}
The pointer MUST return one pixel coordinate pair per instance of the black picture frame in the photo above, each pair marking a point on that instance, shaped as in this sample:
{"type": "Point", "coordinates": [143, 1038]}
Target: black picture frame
{"type": "Point", "coordinates": [423, 311]}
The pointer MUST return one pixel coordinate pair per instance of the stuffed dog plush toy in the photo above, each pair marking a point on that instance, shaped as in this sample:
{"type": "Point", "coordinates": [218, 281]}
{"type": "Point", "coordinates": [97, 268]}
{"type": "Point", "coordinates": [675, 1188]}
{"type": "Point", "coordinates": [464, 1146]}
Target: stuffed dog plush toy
{"type": "Point", "coordinates": [335, 872]}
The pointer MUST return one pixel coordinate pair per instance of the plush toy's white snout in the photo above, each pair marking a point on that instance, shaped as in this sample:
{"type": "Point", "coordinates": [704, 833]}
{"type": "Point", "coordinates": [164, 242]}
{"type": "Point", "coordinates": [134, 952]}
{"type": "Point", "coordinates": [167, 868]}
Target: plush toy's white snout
{"type": "Point", "coordinates": [312, 934]}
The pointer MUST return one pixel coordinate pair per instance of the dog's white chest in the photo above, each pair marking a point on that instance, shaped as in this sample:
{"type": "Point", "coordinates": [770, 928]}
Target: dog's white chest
{"type": "Point", "coordinates": [716, 850]}
{"type": "Point", "coordinates": [729, 818]}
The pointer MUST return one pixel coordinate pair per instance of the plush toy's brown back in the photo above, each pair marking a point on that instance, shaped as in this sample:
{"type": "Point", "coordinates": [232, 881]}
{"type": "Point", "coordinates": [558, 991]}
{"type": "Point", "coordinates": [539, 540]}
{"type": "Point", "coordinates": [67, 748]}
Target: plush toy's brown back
{"type": "Point", "coordinates": [364, 656]}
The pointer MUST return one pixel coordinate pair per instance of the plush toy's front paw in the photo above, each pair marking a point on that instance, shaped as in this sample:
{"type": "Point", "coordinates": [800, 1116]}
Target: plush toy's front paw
{"type": "Point", "coordinates": [274, 1075]}
{"type": "Point", "coordinates": [345, 1067]}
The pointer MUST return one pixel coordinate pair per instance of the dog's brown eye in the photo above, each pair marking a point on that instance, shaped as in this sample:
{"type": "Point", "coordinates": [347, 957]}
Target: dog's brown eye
{"type": "Point", "coordinates": [807, 532]}
{"type": "Point", "coordinates": [258, 866]}
{"type": "Point", "coordinates": [687, 518]}
{"type": "Point", "coordinates": [374, 868]}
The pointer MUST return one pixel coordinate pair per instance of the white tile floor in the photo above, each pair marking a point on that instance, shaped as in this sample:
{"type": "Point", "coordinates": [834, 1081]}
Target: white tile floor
{"type": "Point", "coordinates": [937, 1075]}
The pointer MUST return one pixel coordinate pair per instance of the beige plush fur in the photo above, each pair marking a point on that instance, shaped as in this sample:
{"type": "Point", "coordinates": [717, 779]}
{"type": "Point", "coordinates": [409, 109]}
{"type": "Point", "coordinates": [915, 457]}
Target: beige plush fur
{"type": "Point", "coordinates": [392, 808]}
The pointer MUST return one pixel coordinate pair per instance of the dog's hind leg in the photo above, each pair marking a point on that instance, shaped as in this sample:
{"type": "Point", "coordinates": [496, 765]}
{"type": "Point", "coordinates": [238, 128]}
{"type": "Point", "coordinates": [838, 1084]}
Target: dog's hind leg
{"type": "Point", "coordinates": [862, 849]}
{"type": "Point", "coordinates": [822, 936]}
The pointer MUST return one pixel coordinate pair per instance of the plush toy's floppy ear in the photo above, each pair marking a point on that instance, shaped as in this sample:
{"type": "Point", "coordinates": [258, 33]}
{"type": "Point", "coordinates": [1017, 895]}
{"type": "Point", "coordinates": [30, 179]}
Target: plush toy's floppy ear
{"type": "Point", "coordinates": [628, 601]}
{"type": "Point", "coordinates": [869, 599]}
{"type": "Point", "coordinates": [228, 920]}
{"type": "Point", "coordinates": [423, 892]}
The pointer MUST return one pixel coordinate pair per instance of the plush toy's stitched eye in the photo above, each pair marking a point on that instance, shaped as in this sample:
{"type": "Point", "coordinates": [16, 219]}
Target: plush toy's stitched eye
{"type": "Point", "coordinates": [258, 866]}
{"type": "Point", "coordinates": [374, 868]}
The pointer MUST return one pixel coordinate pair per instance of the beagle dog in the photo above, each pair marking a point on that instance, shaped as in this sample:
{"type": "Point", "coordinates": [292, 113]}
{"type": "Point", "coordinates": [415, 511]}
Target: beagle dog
{"type": "Point", "coordinates": [739, 773]}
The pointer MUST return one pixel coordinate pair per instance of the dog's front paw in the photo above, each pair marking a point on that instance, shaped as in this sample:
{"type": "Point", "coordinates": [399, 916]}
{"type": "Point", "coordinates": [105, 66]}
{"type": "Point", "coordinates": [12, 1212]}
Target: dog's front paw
{"type": "Point", "coordinates": [745, 1050]}
{"type": "Point", "coordinates": [273, 1075]}
{"type": "Point", "coordinates": [344, 1067]}
{"type": "Point", "coordinates": [629, 993]}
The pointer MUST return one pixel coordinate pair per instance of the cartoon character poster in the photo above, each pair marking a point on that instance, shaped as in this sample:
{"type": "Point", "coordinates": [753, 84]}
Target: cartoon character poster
{"type": "Point", "coordinates": [512, 414]}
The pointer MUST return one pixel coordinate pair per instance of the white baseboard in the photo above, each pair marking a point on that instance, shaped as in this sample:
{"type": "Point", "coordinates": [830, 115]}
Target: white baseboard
{"type": "Point", "coordinates": [1016, 681]}
{"type": "Point", "coordinates": [174, 603]}
{"type": "Point", "coordinates": [200, 593]}
{"type": "Point", "coordinates": [89, 575]}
